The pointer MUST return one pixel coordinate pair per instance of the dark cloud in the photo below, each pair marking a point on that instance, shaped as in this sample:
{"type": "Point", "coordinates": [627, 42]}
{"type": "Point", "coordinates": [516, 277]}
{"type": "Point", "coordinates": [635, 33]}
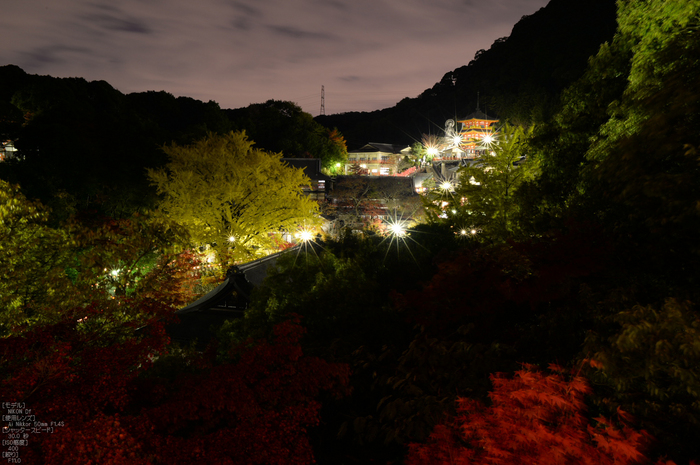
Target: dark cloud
{"type": "Point", "coordinates": [245, 15]}
{"type": "Point", "coordinates": [113, 19]}
{"type": "Point", "coordinates": [338, 5]}
{"type": "Point", "coordinates": [52, 54]}
{"type": "Point", "coordinates": [242, 23]}
{"type": "Point", "coordinates": [246, 9]}
{"type": "Point", "coordinates": [295, 33]}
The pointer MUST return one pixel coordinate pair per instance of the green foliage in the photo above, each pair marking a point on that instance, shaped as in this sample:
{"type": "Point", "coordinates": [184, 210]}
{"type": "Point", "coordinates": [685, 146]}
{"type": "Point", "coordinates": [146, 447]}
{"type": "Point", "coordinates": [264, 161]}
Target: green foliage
{"type": "Point", "coordinates": [33, 258]}
{"type": "Point", "coordinates": [133, 259]}
{"type": "Point", "coordinates": [649, 29]}
{"type": "Point", "coordinates": [182, 120]}
{"type": "Point", "coordinates": [486, 198]}
{"type": "Point", "coordinates": [232, 197]}
{"type": "Point", "coordinates": [656, 346]}
{"type": "Point", "coordinates": [342, 293]}
{"type": "Point", "coordinates": [279, 126]}
{"type": "Point", "coordinates": [649, 355]}
{"type": "Point", "coordinates": [648, 179]}
{"type": "Point", "coordinates": [561, 143]}
{"type": "Point", "coordinates": [418, 153]}
{"type": "Point", "coordinates": [54, 273]}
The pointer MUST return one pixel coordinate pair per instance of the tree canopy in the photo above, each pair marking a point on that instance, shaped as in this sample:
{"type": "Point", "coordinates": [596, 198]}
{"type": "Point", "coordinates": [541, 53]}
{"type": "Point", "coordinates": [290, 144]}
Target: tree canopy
{"type": "Point", "coordinates": [281, 126]}
{"type": "Point", "coordinates": [233, 197]}
{"type": "Point", "coordinates": [484, 197]}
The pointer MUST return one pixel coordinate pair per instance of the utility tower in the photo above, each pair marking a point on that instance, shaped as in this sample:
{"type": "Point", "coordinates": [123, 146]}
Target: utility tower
{"type": "Point", "coordinates": [323, 101]}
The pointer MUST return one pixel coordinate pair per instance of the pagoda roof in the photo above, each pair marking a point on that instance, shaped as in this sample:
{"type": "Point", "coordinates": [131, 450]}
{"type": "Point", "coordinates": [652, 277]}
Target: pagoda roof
{"type": "Point", "coordinates": [478, 114]}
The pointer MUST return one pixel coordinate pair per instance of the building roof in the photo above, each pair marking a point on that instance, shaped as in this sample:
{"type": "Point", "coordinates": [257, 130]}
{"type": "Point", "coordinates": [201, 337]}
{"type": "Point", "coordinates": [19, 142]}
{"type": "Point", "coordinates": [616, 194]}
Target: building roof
{"type": "Point", "coordinates": [378, 147]}
{"type": "Point", "coordinates": [198, 320]}
{"type": "Point", "coordinates": [381, 186]}
{"type": "Point", "coordinates": [420, 178]}
{"type": "Point", "coordinates": [240, 280]}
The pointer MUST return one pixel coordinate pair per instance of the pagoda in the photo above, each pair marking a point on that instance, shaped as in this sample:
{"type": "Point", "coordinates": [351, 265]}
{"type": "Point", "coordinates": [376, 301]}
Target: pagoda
{"type": "Point", "coordinates": [474, 128]}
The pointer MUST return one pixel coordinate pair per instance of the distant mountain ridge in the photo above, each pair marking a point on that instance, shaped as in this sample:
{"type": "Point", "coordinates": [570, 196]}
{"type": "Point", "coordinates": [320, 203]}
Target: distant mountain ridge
{"type": "Point", "coordinates": [519, 78]}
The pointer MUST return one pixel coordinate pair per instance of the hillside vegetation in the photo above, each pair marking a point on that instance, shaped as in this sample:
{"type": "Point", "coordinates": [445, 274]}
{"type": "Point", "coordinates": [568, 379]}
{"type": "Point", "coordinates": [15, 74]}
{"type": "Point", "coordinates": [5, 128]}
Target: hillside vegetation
{"type": "Point", "coordinates": [545, 313]}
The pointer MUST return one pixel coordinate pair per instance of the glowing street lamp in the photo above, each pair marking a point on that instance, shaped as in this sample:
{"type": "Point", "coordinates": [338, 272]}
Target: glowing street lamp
{"type": "Point", "coordinates": [305, 235]}
{"type": "Point", "coordinates": [489, 140]}
{"type": "Point", "coordinates": [446, 186]}
{"type": "Point", "coordinates": [397, 229]}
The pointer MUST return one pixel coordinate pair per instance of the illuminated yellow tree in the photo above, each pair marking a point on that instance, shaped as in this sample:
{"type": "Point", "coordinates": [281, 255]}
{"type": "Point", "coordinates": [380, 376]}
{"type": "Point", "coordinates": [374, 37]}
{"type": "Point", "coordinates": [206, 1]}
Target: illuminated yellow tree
{"type": "Point", "coordinates": [233, 197]}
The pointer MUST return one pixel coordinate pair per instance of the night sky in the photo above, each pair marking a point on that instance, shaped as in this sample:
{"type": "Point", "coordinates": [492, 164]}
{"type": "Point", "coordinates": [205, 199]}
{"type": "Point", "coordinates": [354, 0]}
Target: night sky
{"type": "Point", "coordinates": [369, 54]}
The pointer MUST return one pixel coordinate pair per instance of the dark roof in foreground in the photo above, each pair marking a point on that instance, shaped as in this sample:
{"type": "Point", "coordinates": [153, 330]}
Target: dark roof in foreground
{"type": "Point", "coordinates": [199, 320]}
{"type": "Point", "coordinates": [240, 280]}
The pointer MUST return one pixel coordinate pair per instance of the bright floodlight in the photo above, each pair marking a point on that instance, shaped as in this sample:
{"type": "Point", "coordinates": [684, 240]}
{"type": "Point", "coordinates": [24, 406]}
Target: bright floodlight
{"type": "Point", "coordinates": [305, 235]}
{"type": "Point", "coordinates": [463, 232]}
{"type": "Point", "coordinates": [397, 229]}
{"type": "Point", "coordinates": [488, 139]}
{"type": "Point", "coordinates": [231, 239]}
{"type": "Point", "coordinates": [432, 151]}
{"type": "Point", "coordinates": [446, 185]}
{"type": "Point", "coordinates": [473, 231]}
{"type": "Point", "coordinates": [115, 272]}
{"type": "Point", "coordinates": [457, 140]}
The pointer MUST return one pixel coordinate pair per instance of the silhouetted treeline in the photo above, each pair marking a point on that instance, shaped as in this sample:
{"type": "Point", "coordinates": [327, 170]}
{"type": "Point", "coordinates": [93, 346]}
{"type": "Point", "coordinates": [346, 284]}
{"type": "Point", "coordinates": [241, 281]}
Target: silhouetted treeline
{"type": "Point", "coordinates": [518, 79]}
{"type": "Point", "coordinates": [85, 145]}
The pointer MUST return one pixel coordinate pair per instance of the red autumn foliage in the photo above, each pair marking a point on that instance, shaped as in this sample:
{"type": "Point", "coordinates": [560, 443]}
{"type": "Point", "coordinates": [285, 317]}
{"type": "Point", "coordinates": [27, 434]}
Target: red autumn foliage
{"type": "Point", "coordinates": [70, 373]}
{"type": "Point", "coordinates": [533, 418]}
{"type": "Point", "coordinates": [253, 409]}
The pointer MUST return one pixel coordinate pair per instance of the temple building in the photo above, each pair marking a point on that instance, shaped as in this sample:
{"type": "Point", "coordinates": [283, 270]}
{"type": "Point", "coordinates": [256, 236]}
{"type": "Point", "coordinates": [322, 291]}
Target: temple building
{"type": "Point", "coordinates": [376, 159]}
{"type": "Point", "coordinates": [474, 128]}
